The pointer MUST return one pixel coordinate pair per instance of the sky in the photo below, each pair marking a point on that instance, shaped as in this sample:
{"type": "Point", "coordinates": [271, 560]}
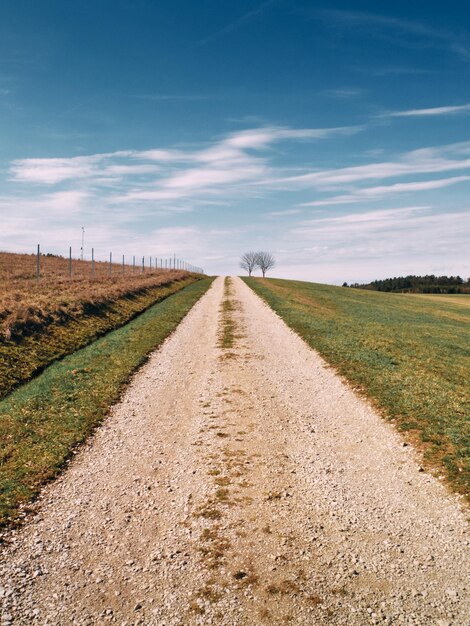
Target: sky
{"type": "Point", "coordinates": [335, 135]}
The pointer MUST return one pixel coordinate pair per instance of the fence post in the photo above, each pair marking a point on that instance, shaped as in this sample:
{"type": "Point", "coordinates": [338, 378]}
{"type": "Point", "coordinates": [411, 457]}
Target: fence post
{"type": "Point", "coordinates": [70, 261]}
{"type": "Point", "coordinates": [123, 265]}
{"type": "Point", "coordinates": [133, 264]}
{"type": "Point", "coordinates": [110, 263]}
{"type": "Point", "coordinates": [143, 264]}
{"type": "Point", "coordinates": [38, 270]}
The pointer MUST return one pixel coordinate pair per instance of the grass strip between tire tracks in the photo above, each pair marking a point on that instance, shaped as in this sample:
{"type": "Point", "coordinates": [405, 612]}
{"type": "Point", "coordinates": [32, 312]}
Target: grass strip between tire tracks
{"type": "Point", "coordinates": [409, 354]}
{"type": "Point", "coordinates": [42, 421]}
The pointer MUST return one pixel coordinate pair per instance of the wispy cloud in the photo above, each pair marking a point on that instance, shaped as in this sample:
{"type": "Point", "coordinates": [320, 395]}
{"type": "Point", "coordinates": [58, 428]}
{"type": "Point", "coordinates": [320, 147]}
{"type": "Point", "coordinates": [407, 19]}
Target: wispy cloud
{"type": "Point", "coordinates": [392, 70]}
{"type": "Point", "coordinates": [235, 159]}
{"type": "Point", "coordinates": [377, 218]}
{"type": "Point", "coordinates": [444, 110]}
{"type": "Point", "coordinates": [389, 224]}
{"type": "Point", "coordinates": [131, 187]}
{"type": "Point", "coordinates": [431, 160]}
{"type": "Point", "coordinates": [52, 171]}
{"type": "Point", "coordinates": [370, 244]}
{"type": "Point", "coordinates": [405, 33]}
{"type": "Point", "coordinates": [344, 93]}
{"type": "Point", "coordinates": [237, 165]}
{"type": "Point", "coordinates": [183, 97]}
{"type": "Point", "coordinates": [284, 212]}
{"type": "Point", "coordinates": [165, 179]}
{"type": "Point", "coordinates": [46, 206]}
{"type": "Point", "coordinates": [239, 22]}
{"type": "Point", "coordinates": [376, 193]}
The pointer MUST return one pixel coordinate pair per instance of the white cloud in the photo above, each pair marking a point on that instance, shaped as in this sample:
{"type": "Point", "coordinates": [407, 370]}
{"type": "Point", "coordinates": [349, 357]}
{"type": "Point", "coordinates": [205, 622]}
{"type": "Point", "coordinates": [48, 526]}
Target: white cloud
{"type": "Point", "coordinates": [51, 171]}
{"type": "Point", "coordinates": [260, 138]}
{"type": "Point", "coordinates": [56, 170]}
{"type": "Point", "coordinates": [376, 193]}
{"type": "Point", "coordinates": [445, 110]}
{"type": "Point", "coordinates": [160, 155]}
{"type": "Point", "coordinates": [119, 195]}
{"type": "Point", "coordinates": [226, 166]}
{"type": "Point", "coordinates": [284, 212]}
{"type": "Point", "coordinates": [124, 170]}
{"type": "Point", "coordinates": [431, 160]}
{"type": "Point", "coordinates": [378, 218]}
{"type": "Point", "coordinates": [376, 244]}
{"type": "Point", "coordinates": [62, 204]}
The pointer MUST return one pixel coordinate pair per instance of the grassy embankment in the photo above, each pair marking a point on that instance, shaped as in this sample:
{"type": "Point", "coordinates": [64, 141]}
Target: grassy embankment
{"type": "Point", "coordinates": [44, 320]}
{"type": "Point", "coordinates": [42, 421]}
{"type": "Point", "coordinates": [408, 353]}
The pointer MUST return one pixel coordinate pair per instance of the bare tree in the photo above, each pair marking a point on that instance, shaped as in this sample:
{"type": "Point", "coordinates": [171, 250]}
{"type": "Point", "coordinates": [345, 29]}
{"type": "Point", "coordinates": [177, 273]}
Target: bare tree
{"type": "Point", "coordinates": [265, 261]}
{"type": "Point", "coordinates": [249, 261]}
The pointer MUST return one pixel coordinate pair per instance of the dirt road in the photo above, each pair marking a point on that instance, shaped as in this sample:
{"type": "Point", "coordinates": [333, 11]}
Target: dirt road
{"type": "Point", "coordinates": [240, 485]}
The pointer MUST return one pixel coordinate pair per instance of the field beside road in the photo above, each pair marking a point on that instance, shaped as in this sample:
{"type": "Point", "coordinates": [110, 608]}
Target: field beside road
{"type": "Point", "coordinates": [408, 353]}
{"type": "Point", "coordinates": [238, 481]}
{"type": "Point", "coordinates": [43, 320]}
{"type": "Point", "coordinates": [44, 419]}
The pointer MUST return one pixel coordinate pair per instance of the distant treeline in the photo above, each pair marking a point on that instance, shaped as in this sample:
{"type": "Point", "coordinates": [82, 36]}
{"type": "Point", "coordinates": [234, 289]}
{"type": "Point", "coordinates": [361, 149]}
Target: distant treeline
{"type": "Point", "coordinates": [418, 284]}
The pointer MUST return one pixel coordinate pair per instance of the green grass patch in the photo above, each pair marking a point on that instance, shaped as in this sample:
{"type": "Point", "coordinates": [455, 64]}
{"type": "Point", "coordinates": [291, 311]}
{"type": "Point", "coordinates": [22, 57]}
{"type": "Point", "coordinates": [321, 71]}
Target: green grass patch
{"type": "Point", "coordinates": [408, 353]}
{"type": "Point", "coordinates": [227, 333]}
{"type": "Point", "coordinates": [22, 359]}
{"type": "Point", "coordinates": [42, 421]}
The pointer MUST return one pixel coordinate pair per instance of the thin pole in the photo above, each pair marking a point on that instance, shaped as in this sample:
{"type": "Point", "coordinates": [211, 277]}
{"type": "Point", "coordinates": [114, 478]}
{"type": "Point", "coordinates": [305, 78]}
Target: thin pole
{"type": "Point", "coordinates": [93, 262]}
{"type": "Point", "coordinates": [123, 264]}
{"type": "Point", "coordinates": [110, 263]}
{"type": "Point", "coordinates": [143, 264]}
{"type": "Point", "coordinates": [70, 261]}
{"type": "Point", "coordinates": [150, 263]}
{"type": "Point", "coordinates": [83, 242]}
{"type": "Point", "coordinates": [38, 269]}
{"type": "Point", "coordinates": [133, 264]}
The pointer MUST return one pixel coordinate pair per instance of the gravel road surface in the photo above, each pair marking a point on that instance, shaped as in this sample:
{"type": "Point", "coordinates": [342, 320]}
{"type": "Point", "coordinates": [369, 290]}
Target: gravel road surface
{"type": "Point", "coordinates": [242, 485]}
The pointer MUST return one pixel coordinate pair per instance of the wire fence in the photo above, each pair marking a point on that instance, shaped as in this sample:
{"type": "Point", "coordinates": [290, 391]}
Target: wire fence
{"type": "Point", "coordinates": [113, 266]}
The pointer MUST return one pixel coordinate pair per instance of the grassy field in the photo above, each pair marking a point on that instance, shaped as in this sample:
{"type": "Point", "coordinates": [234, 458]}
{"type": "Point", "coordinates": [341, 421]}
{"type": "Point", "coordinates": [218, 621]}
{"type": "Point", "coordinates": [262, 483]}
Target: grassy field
{"type": "Point", "coordinates": [28, 305]}
{"type": "Point", "coordinates": [43, 420]}
{"type": "Point", "coordinates": [410, 354]}
{"type": "Point", "coordinates": [44, 320]}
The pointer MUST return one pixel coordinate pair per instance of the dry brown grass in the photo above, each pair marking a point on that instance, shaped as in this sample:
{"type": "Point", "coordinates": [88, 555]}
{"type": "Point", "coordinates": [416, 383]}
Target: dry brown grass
{"type": "Point", "coordinates": [28, 304]}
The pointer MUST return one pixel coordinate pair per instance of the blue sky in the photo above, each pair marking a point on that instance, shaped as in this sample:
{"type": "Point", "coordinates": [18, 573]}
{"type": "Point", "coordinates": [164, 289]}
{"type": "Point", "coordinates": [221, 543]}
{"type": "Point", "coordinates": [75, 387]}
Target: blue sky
{"type": "Point", "coordinates": [336, 134]}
